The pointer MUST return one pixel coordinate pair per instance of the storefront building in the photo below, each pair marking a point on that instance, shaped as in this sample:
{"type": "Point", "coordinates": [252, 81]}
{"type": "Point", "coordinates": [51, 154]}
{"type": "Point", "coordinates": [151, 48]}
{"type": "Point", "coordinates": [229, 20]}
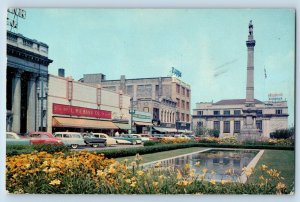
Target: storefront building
{"type": "Point", "coordinates": [142, 122]}
{"type": "Point", "coordinates": [74, 106]}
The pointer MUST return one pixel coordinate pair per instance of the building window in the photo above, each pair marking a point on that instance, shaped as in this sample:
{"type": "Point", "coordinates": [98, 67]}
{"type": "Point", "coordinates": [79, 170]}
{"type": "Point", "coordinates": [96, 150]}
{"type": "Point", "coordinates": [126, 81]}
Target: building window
{"type": "Point", "coordinates": [187, 93]}
{"type": "Point", "coordinates": [182, 104]}
{"type": "Point", "coordinates": [187, 118]}
{"type": "Point", "coordinates": [226, 128]}
{"type": "Point", "coordinates": [237, 112]}
{"type": "Point", "coordinates": [178, 103]}
{"type": "Point", "coordinates": [157, 90]}
{"type": "Point", "coordinates": [129, 90]}
{"type": "Point", "coordinates": [177, 88]}
{"type": "Point", "coordinates": [187, 106]}
{"type": "Point", "coordinates": [278, 111]}
{"type": "Point", "coordinates": [177, 116]}
{"type": "Point", "coordinates": [200, 124]}
{"type": "Point", "coordinates": [183, 90]}
{"type": "Point", "coordinates": [259, 124]}
{"type": "Point", "coordinates": [216, 125]}
{"type": "Point", "coordinates": [226, 112]}
{"type": "Point", "coordinates": [259, 111]}
{"type": "Point", "coordinates": [237, 126]}
{"type": "Point", "coordinates": [182, 116]}
{"type": "Point", "coordinates": [146, 109]}
{"type": "Point", "coordinates": [200, 113]}
{"type": "Point", "coordinates": [216, 112]}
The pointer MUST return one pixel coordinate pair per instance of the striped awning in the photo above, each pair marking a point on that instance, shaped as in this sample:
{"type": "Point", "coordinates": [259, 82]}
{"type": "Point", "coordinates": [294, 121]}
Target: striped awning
{"type": "Point", "coordinates": [123, 126]}
{"type": "Point", "coordinates": [164, 130]}
{"type": "Point", "coordinates": [139, 123]}
{"type": "Point", "coordinates": [82, 123]}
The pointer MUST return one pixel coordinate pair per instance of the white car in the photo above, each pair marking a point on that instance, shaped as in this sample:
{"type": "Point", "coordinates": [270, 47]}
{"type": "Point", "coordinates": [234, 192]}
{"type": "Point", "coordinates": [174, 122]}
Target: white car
{"type": "Point", "coordinates": [109, 140]}
{"type": "Point", "coordinates": [143, 137]}
{"type": "Point", "coordinates": [71, 139]}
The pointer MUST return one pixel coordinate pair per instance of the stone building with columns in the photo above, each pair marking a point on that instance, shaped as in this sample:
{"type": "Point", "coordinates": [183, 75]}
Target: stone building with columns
{"type": "Point", "coordinates": [26, 83]}
{"type": "Point", "coordinates": [228, 117]}
{"type": "Point", "coordinates": [166, 98]}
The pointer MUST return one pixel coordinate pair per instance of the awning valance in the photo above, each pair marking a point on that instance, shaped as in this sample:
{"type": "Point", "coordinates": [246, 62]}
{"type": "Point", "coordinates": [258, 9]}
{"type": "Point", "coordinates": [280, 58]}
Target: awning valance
{"type": "Point", "coordinates": [123, 126]}
{"type": "Point", "coordinates": [163, 130]}
{"type": "Point", "coordinates": [82, 123]}
{"type": "Point", "coordinates": [139, 123]}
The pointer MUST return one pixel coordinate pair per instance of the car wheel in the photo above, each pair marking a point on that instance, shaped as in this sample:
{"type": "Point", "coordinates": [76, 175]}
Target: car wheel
{"type": "Point", "coordinates": [105, 144]}
{"type": "Point", "coordinates": [134, 143]}
{"type": "Point", "coordinates": [74, 146]}
{"type": "Point", "coordinates": [95, 145]}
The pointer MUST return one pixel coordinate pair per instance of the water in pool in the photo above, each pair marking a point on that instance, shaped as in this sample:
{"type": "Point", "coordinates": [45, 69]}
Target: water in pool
{"type": "Point", "coordinates": [217, 162]}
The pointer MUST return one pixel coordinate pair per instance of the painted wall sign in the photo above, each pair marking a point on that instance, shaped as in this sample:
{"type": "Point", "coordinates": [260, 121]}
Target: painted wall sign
{"type": "Point", "coordinates": [80, 111]}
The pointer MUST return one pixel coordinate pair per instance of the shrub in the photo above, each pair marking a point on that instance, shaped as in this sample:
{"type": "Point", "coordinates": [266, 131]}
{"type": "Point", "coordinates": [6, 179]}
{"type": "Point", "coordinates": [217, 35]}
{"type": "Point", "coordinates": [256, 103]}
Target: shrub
{"type": "Point", "coordinates": [150, 143]}
{"type": "Point", "coordinates": [51, 148]}
{"type": "Point", "coordinates": [283, 133]}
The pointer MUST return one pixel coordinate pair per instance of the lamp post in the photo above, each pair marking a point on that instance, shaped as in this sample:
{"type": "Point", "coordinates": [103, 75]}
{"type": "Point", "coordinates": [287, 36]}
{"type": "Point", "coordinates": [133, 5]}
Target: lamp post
{"type": "Point", "coordinates": [131, 112]}
{"type": "Point", "coordinates": [42, 97]}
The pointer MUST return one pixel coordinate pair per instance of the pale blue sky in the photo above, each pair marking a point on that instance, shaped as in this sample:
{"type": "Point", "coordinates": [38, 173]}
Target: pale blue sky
{"type": "Point", "coordinates": [206, 45]}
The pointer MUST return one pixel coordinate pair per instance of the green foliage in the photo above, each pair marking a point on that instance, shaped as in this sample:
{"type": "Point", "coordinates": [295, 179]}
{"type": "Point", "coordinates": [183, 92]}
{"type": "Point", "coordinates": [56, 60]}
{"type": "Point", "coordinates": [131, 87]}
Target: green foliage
{"type": "Point", "coordinates": [283, 133]}
{"type": "Point", "coordinates": [150, 143]}
{"type": "Point", "coordinates": [51, 148]}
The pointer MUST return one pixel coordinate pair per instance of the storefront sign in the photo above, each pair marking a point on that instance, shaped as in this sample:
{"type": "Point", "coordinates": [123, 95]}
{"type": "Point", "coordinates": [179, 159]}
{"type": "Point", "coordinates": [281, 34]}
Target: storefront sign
{"type": "Point", "coordinates": [80, 111]}
{"type": "Point", "coordinates": [142, 116]}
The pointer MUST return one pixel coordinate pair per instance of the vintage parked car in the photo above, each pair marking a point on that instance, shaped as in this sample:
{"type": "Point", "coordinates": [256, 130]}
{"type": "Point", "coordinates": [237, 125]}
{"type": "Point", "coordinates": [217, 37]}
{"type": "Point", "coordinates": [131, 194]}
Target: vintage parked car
{"type": "Point", "coordinates": [182, 136]}
{"type": "Point", "coordinates": [14, 139]}
{"type": "Point", "coordinates": [71, 139]}
{"type": "Point", "coordinates": [93, 141]}
{"type": "Point", "coordinates": [109, 140]}
{"type": "Point", "coordinates": [43, 138]}
{"type": "Point", "coordinates": [129, 138]}
{"type": "Point", "coordinates": [143, 137]}
{"type": "Point", "coordinates": [156, 137]}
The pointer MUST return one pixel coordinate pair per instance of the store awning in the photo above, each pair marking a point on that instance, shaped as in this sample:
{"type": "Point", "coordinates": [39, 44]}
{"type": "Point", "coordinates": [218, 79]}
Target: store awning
{"type": "Point", "coordinates": [139, 123]}
{"type": "Point", "coordinates": [123, 126]}
{"type": "Point", "coordinates": [82, 123]}
{"type": "Point", "coordinates": [185, 131]}
{"type": "Point", "coordinates": [163, 130]}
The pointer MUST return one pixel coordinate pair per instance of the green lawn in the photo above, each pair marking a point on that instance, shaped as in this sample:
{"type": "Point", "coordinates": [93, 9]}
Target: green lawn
{"type": "Point", "coordinates": [162, 155]}
{"type": "Point", "coordinates": [284, 161]}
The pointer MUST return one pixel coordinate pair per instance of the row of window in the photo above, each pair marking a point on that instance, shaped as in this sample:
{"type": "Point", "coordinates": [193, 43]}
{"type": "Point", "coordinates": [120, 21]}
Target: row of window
{"type": "Point", "coordinates": [236, 112]}
{"type": "Point", "coordinates": [226, 126]}
{"type": "Point", "coordinates": [183, 117]}
{"type": "Point", "coordinates": [183, 104]}
{"type": "Point", "coordinates": [183, 90]}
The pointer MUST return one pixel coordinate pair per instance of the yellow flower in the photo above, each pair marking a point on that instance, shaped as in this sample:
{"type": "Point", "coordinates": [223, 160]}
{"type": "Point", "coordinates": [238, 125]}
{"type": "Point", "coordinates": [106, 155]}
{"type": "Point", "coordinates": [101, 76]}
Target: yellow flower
{"type": "Point", "coordinates": [280, 186]}
{"type": "Point", "coordinates": [213, 182]}
{"type": "Point", "coordinates": [111, 170]}
{"type": "Point", "coordinates": [155, 184]}
{"type": "Point", "coordinates": [100, 173]}
{"type": "Point", "coordinates": [55, 182]}
{"type": "Point", "coordinates": [161, 177]}
{"type": "Point", "coordinates": [204, 170]}
{"type": "Point", "coordinates": [197, 164]}
{"type": "Point", "coordinates": [140, 173]}
{"type": "Point", "coordinates": [138, 157]}
{"type": "Point", "coordinates": [128, 181]}
{"type": "Point", "coordinates": [223, 182]}
{"type": "Point", "coordinates": [187, 166]}
{"type": "Point", "coordinates": [179, 175]}
{"type": "Point", "coordinates": [157, 165]}
{"type": "Point", "coordinates": [213, 172]}
{"type": "Point", "coordinates": [133, 164]}
{"type": "Point", "coordinates": [264, 167]}
{"type": "Point", "coordinates": [133, 184]}
{"type": "Point", "coordinates": [261, 177]}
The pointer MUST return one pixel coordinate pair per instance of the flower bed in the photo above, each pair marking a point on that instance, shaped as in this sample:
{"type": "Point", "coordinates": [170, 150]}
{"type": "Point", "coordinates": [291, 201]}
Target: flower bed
{"type": "Point", "coordinates": [89, 173]}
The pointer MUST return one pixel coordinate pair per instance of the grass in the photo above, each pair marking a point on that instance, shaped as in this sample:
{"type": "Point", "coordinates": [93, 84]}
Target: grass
{"type": "Point", "coordinates": [162, 155]}
{"type": "Point", "coordinates": [284, 161]}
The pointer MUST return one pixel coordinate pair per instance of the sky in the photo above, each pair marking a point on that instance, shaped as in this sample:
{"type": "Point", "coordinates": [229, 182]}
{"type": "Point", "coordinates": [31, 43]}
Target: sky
{"type": "Point", "coordinates": [207, 45]}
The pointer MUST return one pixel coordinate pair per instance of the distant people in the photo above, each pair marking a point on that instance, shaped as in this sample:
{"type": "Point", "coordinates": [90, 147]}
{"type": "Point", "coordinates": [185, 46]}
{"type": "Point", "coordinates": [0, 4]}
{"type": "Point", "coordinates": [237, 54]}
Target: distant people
{"type": "Point", "coordinates": [117, 134]}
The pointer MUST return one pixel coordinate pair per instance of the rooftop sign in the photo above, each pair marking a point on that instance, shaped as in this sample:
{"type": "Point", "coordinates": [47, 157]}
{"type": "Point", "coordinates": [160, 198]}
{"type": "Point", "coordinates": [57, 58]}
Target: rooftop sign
{"type": "Point", "coordinates": [176, 72]}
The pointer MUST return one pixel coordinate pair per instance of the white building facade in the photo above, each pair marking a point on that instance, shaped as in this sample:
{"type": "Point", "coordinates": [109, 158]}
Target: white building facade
{"type": "Point", "coordinates": [76, 106]}
{"type": "Point", "coordinates": [227, 116]}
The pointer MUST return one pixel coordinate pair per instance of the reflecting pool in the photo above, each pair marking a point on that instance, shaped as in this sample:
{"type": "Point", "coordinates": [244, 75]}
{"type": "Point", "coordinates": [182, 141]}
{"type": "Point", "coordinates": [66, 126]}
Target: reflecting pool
{"type": "Point", "coordinates": [220, 164]}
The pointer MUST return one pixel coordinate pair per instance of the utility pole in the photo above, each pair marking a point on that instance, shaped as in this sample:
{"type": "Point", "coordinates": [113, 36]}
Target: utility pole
{"type": "Point", "coordinates": [131, 112]}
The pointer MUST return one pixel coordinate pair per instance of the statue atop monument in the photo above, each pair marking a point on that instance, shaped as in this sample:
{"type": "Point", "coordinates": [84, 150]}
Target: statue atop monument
{"type": "Point", "coordinates": [250, 28]}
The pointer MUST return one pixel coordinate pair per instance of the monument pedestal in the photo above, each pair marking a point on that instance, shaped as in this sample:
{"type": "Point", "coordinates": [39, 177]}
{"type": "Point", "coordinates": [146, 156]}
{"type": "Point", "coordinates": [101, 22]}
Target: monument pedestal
{"type": "Point", "coordinates": [249, 130]}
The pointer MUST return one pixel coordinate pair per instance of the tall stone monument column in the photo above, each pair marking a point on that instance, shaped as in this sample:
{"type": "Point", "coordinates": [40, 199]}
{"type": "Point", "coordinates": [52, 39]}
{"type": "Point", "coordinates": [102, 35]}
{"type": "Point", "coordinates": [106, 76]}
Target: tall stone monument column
{"type": "Point", "coordinates": [249, 130]}
{"type": "Point", "coordinates": [16, 107]}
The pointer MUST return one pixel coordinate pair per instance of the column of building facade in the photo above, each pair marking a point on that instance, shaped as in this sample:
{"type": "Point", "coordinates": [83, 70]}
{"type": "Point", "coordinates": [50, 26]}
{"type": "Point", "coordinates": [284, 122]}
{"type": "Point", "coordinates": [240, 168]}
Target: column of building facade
{"type": "Point", "coordinates": [16, 102]}
{"type": "Point", "coordinates": [40, 107]}
{"type": "Point", "coordinates": [31, 109]}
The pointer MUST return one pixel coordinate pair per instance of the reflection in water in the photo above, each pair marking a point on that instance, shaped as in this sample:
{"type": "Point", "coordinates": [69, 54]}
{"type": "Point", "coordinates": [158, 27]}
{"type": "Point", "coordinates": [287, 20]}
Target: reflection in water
{"type": "Point", "coordinates": [216, 161]}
